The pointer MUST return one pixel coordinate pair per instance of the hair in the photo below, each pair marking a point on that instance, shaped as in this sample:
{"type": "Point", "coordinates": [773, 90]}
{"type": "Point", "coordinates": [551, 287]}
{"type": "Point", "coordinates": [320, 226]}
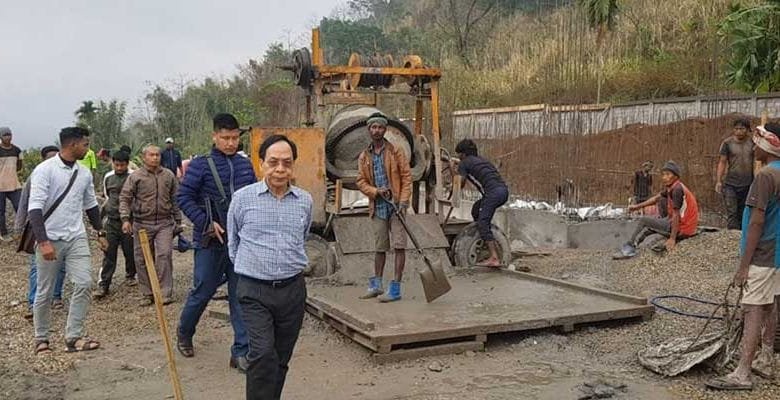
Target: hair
{"type": "Point", "coordinates": [72, 134]}
{"type": "Point", "coordinates": [149, 147]}
{"type": "Point", "coordinates": [127, 149]}
{"type": "Point", "coordinates": [225, 121]}
{"type": "Point", "coordinates": [269, 141]}
{"type": "Point", "coordinates": [743, 122]}
{"type": "Point", "coordinates": [773, 127]}
{"type": "Point", "coordinates": [121, 156]}
{"type": "Point", "coordinates": [48, 149]}
{"type": "Point", "coordinates": [467, 147]}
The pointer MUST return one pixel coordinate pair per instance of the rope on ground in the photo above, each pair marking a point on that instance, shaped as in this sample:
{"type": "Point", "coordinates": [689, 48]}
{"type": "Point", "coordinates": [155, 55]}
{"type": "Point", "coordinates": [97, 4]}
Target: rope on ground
{"type": "Point", "coordinates": [717, 348]}
{"type": "Point", "coordinates": [656, 301]}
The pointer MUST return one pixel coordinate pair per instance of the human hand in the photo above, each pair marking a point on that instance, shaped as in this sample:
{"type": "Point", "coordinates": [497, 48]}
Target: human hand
{"type": "Point", "coordinates": [127, 228]}
{"type": "Point", "coordinates": [47, 251]}
{"type": "Point", "coordinates": [383, 193]}
{"type": "Point", "coordinates": [218, 231]}
{"type": "Point", "coordinates": [670, 243]}
{"type": "Point", "coordinates": [633, 208]}
{"type": "Point", "coordinates": [719, 188]}
{"type": "Point", "coordinates": [103, 243]}
{"type": "Point", "coordinates": [740, 277]}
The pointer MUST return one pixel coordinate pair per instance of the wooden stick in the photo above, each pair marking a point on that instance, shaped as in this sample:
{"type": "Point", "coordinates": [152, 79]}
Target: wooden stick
{"type": "Point", "coordinates": [158, 303]}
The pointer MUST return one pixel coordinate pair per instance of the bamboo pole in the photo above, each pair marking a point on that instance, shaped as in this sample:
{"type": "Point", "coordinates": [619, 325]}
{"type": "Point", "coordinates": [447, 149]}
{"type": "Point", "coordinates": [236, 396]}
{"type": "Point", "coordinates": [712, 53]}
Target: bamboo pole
{"type": "Point", "coordinates": [158, 305]}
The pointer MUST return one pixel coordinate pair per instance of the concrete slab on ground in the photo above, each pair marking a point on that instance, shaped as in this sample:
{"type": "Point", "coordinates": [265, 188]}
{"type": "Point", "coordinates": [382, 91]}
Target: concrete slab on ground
{"type": "Point", "coordinates": [480, 303]}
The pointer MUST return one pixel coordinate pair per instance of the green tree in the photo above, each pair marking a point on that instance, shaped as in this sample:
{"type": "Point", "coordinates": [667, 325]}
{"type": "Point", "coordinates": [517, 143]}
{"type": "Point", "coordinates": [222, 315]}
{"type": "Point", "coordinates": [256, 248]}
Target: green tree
{"type": "Point", "coordinates": [463, 20]}
{"type": "Point", "coordinates": [600, 15]}
{"type": "Point", "coordinates": [340, 38]}
{"type": "Point", "coordinates": [105, 120]}
{"type": "Point", "coordinates": [87, 111]}
{"type": "Point", "coordinates": [752, 34]}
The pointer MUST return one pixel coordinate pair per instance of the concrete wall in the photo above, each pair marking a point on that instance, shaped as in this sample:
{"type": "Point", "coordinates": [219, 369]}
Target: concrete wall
{"type": "Point", "coordinates": [535, 229]}
{"type": "Point", "coordinates": [540, 229]}
{"type": "Point", "coordinates": [606, 234]}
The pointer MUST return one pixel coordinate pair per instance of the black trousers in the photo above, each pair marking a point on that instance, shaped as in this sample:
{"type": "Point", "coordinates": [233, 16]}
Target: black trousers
{"type": "Point", "coordinates": [273, 317]}
{"type": "Point", "coordinates": [734, 200]}
{"type": "Point", "coordinates": [116, 239]}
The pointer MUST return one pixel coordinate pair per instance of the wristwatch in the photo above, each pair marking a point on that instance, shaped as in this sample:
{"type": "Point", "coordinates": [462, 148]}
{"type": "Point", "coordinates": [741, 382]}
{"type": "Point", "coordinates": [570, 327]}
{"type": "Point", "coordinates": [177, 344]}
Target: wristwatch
{"type": "Point", "coordinates": [101, 234]}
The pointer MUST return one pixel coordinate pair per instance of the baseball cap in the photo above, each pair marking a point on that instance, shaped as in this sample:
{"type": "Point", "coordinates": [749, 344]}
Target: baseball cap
{"type": "Point", "coordinates": [5, 131]}
{"type": "Point", "coordinates": [169, 140]}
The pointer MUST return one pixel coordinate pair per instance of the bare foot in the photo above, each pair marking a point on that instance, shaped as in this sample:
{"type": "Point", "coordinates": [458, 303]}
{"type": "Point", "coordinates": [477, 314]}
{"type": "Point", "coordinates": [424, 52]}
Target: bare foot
{"type": "Point", "coordinates": [491, 263]}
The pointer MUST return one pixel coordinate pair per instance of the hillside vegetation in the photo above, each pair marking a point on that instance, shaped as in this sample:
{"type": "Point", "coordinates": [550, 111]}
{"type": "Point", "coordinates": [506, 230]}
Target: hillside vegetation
{"type": "Point", "coordinates": [493, 53]}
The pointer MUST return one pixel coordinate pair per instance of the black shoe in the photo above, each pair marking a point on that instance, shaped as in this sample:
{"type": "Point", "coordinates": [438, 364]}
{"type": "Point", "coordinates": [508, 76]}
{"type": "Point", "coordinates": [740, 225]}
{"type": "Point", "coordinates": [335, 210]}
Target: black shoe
{"type": "Point", "coordinates": [239, 363]}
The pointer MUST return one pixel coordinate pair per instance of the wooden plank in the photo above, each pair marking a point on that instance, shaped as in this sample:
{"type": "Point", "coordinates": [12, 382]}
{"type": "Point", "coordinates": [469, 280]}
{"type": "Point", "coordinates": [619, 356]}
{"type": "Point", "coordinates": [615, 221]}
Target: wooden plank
{"type": "Point", "coordinates": [569, 285]}
{"type": "Point", "coordinates": [524, 325]}
{"type": "Point", "coordinates": [359, 337]}
{"type": "Point", "coordinates": [429, 351]}
{"type": "Point", "coordinates": [343, 315]}
{"type": "Point", "coordinates": [530, 107]}
{"type": "Point", "coordinates": [367, 100]}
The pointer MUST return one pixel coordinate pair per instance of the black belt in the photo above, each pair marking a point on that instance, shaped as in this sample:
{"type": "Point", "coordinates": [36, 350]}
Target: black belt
{"type": "Point", "coordinates": [280, 283]}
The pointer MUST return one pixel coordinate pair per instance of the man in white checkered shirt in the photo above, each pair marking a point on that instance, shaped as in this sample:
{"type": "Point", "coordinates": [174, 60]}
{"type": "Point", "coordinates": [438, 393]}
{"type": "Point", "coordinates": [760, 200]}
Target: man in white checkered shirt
{"type": "Point", "coordinates": [267, 226]}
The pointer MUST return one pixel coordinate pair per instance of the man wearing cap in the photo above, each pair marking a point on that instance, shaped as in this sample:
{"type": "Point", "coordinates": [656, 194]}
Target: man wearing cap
{"type": "Point", "coordinates": [757, 272]}
{"type": "Point", "coordinates": [681, 222]}
{"type": "Point", "coordinates": [384, 177]}
{"type": "Point", "coordinates": [10, 188]}
{"type": "Point", "coordinates": [735, 171]}
{"type": "Point", "coordinates": [171, 158]}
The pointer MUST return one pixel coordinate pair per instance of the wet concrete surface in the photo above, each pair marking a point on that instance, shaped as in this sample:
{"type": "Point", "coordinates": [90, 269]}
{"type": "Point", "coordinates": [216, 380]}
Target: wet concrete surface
{"type": "Point", "coordinates": [488, 301]}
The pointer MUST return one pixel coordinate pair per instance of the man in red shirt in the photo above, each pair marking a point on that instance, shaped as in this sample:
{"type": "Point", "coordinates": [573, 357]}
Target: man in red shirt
{"type": "Point", "coordinates": [682, 208]}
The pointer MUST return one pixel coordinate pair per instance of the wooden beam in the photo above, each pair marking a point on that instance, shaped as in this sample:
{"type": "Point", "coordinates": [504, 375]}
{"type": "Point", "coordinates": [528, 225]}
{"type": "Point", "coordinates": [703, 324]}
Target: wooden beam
{"type": "Point", "coordinates": [342, 69]}
{"type": "Point", "coordinates": [428, 351]}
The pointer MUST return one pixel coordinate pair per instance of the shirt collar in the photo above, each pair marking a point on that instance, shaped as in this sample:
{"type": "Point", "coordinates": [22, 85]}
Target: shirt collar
{"type": "Point", "coordinates": [384, 146]}
{"type": "Point", "coordinates": [61, 163]}
{"type": "Point", "coordinates": [262, 187]}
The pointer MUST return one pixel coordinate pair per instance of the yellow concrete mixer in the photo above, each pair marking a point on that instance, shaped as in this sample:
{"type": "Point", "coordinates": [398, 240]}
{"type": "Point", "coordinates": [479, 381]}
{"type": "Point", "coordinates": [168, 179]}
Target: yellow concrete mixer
{"type": "Point", "coordinates": [339, 99]}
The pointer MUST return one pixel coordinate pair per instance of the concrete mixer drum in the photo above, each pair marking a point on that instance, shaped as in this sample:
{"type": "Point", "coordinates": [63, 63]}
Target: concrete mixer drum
{"type": "Point", "coordinates": [347, 136]}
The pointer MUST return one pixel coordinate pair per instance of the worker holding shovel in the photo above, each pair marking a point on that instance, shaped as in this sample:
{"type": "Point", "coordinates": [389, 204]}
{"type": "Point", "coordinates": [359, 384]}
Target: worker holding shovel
{"type": "Point", "coordinates": [485, 177]}
{"type": "Point", "coordinates": [384, 174]}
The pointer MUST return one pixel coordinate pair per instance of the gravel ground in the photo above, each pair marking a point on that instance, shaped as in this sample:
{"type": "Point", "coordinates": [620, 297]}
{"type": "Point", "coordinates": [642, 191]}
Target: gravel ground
{"type": "Point", "coordinates": [700, 267]}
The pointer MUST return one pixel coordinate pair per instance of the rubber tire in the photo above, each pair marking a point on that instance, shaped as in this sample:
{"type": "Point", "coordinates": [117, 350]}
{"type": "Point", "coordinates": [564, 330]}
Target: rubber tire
{"type": "Point", "coordinates": [317, 253]}
{"type": "Point", "coordinates": [461, 249]}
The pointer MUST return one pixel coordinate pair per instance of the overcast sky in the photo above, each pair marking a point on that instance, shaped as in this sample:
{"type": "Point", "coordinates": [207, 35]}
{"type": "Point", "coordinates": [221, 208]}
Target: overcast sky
{"type": "Point", "coordinates": [55, 54]}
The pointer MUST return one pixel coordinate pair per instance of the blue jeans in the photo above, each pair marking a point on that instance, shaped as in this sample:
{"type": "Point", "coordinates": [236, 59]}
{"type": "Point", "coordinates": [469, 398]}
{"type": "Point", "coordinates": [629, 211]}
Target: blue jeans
{"type": "Point", "coordinates": [34, 282]}
{"type": "Point", "coordinates": [212, 266]}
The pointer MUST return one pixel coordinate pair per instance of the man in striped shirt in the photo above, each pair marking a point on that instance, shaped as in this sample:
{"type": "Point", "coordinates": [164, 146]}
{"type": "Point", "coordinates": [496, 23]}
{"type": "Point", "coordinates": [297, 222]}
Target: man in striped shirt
{"type": "Point", "coordinates": [267, 226]}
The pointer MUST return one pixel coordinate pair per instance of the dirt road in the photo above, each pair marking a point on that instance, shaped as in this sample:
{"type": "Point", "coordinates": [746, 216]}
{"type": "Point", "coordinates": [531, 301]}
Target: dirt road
{"type": "Point", "coordinates": [543, 365]}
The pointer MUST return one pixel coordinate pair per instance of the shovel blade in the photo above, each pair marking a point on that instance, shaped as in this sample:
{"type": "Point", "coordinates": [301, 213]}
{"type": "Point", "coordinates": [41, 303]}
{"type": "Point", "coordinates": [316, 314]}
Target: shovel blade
{"type": "Point", "coordinates": [434, 281]}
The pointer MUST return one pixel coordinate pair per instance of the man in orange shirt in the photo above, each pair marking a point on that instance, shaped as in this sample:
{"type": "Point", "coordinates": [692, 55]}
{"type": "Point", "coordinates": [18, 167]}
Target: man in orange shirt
{"type": "Point", "coordinates": [682, 208]}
